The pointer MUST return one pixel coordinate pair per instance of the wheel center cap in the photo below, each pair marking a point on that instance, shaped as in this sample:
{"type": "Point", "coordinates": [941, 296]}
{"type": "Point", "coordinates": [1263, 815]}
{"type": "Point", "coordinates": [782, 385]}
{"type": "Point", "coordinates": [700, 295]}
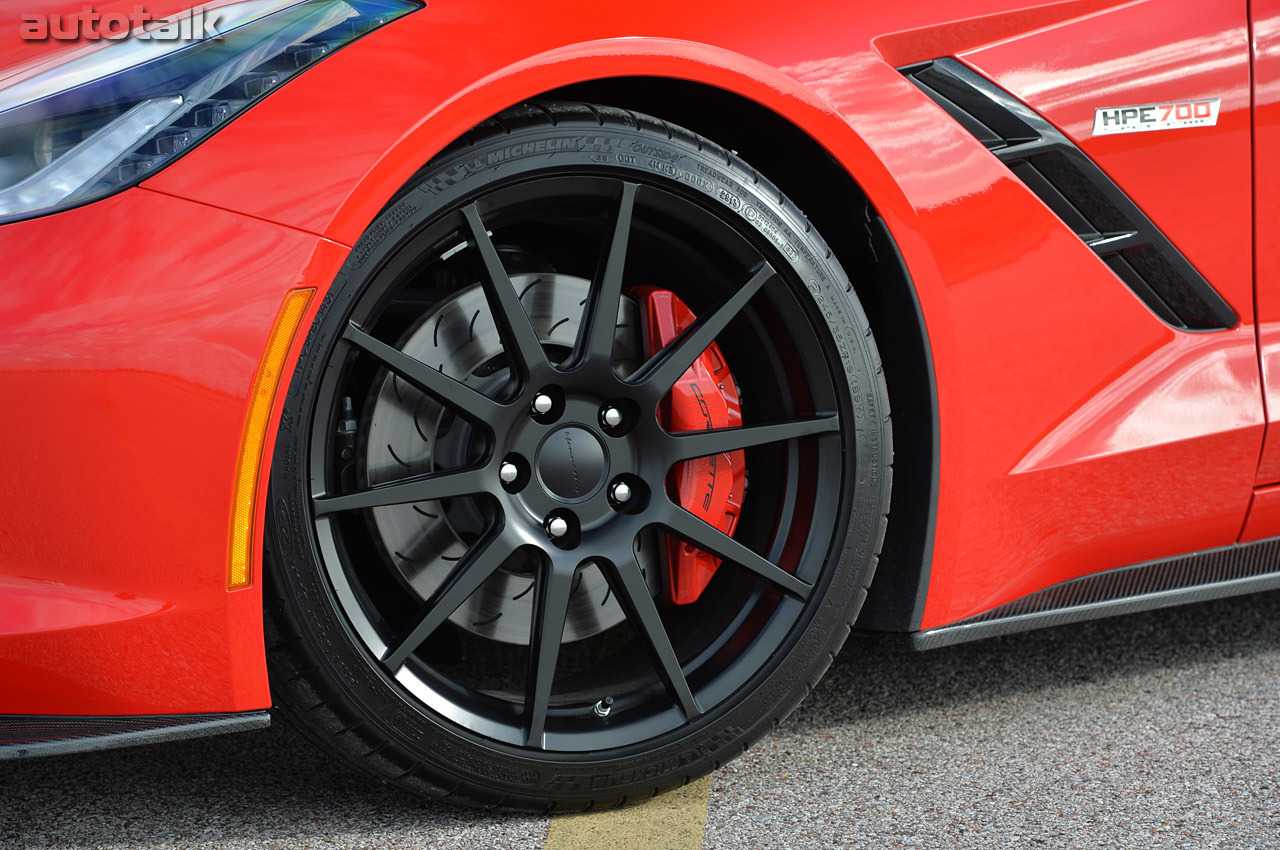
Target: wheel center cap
{"type": "Point", "coordinates": [571, 463]}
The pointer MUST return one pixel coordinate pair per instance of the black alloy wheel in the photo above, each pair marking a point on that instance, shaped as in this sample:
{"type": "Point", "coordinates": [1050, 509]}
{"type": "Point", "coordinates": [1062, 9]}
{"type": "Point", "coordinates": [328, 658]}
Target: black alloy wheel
{"type": "Point", "coordinates": [473, 485]}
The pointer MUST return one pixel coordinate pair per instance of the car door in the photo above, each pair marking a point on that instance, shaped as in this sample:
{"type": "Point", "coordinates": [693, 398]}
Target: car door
{"type": "Point", "coordinates": [1266, 99]}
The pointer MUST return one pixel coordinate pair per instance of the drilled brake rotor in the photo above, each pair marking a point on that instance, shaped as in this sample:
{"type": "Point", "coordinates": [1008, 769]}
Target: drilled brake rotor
{"type": "Point", "coordinates": [409, 434]}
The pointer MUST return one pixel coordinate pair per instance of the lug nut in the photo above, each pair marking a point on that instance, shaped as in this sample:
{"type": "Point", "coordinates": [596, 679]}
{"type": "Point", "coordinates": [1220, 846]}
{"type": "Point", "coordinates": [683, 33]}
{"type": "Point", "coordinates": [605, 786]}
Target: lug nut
{"type": "Point", "coordinates": [542, 404]}
{"type": "Point", "coordinates": [508, 472]}
{"type": "Point", "coordinates": [557, 527]}
{"type": "Point", "coordinates": [611, 417]}
{"type": "Point", "coordinates": [621, 492]}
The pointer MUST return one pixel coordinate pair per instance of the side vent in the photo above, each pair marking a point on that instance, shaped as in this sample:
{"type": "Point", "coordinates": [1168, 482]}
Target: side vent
{"type": "Point", "coordinates": [1079, 193]}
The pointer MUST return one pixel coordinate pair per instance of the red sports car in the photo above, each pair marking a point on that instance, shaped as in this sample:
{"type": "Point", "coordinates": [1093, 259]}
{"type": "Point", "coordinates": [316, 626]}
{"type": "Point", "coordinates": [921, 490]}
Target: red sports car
{"type": "Point", "coordinates": [503, 391]}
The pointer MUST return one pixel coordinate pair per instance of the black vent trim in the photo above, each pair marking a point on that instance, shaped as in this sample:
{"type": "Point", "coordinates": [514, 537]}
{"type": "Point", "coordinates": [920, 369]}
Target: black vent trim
{"type": "Point", "coordinates": [1079, 192]}
{"type": "Point", "coordinates": [1212, 574]}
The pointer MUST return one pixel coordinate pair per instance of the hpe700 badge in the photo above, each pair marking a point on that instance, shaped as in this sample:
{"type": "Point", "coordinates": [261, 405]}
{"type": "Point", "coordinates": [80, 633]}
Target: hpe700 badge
{"type": "Point", "coordinates": [1155, 116]}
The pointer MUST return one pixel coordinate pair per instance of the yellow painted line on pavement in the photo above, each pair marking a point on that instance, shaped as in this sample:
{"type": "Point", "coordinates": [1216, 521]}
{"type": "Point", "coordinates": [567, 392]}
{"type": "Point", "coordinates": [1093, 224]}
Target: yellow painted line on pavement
{"type": "Point", "coordinates": [671, 821]}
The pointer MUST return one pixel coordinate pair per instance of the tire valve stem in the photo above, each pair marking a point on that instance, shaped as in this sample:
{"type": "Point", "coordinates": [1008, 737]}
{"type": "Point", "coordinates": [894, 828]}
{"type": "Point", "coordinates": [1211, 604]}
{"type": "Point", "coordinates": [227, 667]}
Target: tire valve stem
{"type": "Point", "coordinates": [347, 426]}
{"type": "Point", "coordinates": [603, 707]}
{"type": "Point", "coordinates": [347, 430]}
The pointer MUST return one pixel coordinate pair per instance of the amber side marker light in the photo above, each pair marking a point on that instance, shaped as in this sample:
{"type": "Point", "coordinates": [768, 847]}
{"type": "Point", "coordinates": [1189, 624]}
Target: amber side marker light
{"type": "Point", "coordinates": [240, 560]}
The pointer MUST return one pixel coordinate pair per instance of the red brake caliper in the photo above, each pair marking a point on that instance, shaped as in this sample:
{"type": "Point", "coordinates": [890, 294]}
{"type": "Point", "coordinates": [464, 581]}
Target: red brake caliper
{"type": "Point", "coordinates": [705, 397]}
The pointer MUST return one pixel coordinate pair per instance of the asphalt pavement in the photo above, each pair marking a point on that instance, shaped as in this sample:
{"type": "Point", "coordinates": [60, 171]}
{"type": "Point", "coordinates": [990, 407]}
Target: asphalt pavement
{"type": "Point", "coordinates": [1150, 731]}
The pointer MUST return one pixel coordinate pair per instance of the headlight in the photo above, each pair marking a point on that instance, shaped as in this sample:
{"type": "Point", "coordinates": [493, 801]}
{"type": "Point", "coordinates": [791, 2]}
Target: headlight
{"type": "Point", "coordinates": [105, 120]}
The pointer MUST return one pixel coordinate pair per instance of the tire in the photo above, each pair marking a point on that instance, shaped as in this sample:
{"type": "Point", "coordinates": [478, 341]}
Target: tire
{"type": "Point", "coordinates": [596, 690]}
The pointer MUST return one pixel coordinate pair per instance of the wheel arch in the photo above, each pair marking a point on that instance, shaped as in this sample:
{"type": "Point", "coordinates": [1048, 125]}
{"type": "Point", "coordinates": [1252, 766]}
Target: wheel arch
{"type": "Point", "coordinates": [849, 192]}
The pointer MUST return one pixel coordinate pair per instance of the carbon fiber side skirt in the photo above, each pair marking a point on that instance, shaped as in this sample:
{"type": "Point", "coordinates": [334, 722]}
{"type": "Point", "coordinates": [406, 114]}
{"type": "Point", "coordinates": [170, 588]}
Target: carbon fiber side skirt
{"type": "Point", "coordinates": [27, 735]}
{"type": "Point", "coordinates": [1213, 574]}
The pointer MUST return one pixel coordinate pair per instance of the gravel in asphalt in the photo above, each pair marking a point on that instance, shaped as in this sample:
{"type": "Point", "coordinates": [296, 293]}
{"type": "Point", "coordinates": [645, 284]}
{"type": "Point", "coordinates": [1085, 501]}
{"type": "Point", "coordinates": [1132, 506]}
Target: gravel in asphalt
{"type": "Point", "coordinates": [1149, 731]}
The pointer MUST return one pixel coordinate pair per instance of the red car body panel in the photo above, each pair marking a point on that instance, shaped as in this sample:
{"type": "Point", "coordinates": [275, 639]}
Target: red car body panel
{"type": "Point", "coordinates": [130, 366]}
{"type": "Point", "coordinates": [1157, 458]}
{"type": "Point", "coordinates": [1078, 432]}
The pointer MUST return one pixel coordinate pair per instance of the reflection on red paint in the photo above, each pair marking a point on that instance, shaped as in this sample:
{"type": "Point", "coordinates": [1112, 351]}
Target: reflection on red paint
{"type": "Point", "coordinates": [38, 605]}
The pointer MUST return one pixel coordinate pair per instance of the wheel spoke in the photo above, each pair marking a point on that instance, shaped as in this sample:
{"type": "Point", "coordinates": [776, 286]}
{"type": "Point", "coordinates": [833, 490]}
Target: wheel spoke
{"type": "Point", "coordinates": [689, 528]}
{"type": "Point", "coordinates": [513, 323]}
{"type": "Point", "coordinates": [694, 444]}
{"type": "Point", "coordinates": [457, 395]}
{"type": "Point", "coordinates": [599, 326]}
{"type": "Point", "coordinates": [665, 368]}
{"type": "Point", "coordinates": [632, 591]}
{"type": "Point", "coordinates": [424, 488]}
{"type": "Point", "coordinates": [552, 591]}
{"type": "Point", "coordinates": [480, 562]}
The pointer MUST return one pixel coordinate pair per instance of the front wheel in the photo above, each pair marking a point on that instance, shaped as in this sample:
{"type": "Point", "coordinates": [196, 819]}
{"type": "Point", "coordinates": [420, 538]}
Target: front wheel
{"type": "Point", "coordinates": [583, 472]}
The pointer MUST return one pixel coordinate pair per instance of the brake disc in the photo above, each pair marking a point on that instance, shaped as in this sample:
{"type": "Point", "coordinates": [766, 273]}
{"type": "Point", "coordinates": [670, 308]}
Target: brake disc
{"type": "Point", "coordinates": [409, 434]}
